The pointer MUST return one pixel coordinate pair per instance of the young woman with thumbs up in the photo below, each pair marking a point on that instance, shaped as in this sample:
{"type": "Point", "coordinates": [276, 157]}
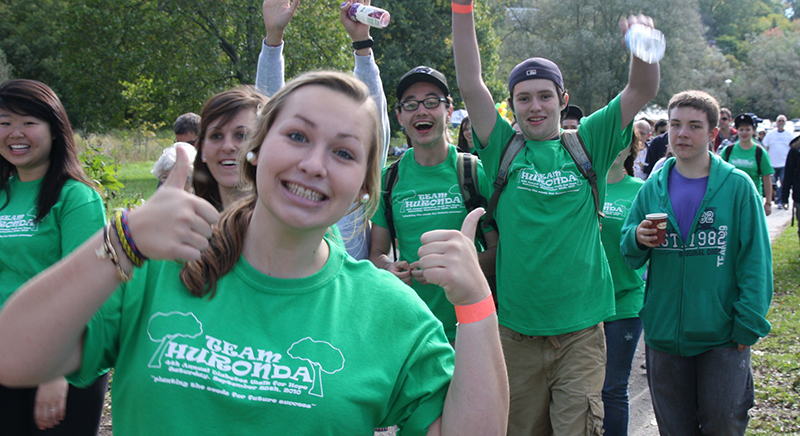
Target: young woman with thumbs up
{"type": "Point", "coordinates": [264, 317]}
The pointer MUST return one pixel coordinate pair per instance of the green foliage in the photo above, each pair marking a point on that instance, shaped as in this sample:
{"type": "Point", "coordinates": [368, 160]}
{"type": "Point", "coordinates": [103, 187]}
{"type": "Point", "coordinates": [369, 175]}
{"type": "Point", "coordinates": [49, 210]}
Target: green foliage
{"type": "Point", "coordinates": [421, 34]}
{"type": "Point", "coordinates": [139, 184]}
{"type": "Point", "coordinates": [730, 21]}
{"type": "Point", "coordinates": [30, 31]}
{"type": "Point", "coordinates": [122, 64]}
{"type": "Point", "coordinates": [315, 39]}
{"type": "Point", "coordinates": [776, 365]}
{"type": "Point", "coordinates": [102, 170]}
{"type": "Point", "coordinates": [5, 67]}
{"type": "Point", "coordinates": [583, 38]}
{"type": "Point", "coordinates": [768, 83]}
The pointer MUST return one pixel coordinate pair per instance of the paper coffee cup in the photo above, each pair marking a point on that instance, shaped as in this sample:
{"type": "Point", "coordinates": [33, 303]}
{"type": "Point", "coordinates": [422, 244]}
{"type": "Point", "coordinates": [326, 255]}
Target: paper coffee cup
{"type": "Point", "coordinates": [659, 221]}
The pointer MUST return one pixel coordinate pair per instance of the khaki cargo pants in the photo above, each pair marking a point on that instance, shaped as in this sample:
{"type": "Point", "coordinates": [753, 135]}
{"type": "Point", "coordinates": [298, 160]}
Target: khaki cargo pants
{"type": "Point", "coordinates": [555, 382]}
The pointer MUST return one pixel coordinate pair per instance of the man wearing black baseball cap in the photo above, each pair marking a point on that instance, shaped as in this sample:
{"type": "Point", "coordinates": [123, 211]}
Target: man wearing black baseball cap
{"type": "Point", "coordinates": [572, 117]}
{"type": "Point", "coordinates": [554, 285]}
{"type": "Point", "coordinates": [425, 194]}
{"type": "Point", "coordinates": [751, 158]}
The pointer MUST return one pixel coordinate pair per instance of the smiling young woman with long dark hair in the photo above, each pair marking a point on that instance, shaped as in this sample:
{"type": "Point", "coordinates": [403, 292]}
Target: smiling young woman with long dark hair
{"type": "Point", "coordinates": [48, 207]}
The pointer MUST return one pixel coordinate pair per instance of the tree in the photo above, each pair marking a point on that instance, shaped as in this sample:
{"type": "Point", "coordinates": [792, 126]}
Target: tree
{"type": "Point", "coordinates": [165, 327]}
{"type": "Point", "coordinates": [768, 85]}
{"type": "Point", "coordinates": [322, 356]}
{"type": "Point", "coordinates": [583, 38]}
{"type": "Point", "coordinates": [153, 60]}
{"type": "Point", "coordinates": [29, 35]}
{"type": "Point", "coordinates": [729, 21]}
{"type": "Point", "coordinates": [420, 33]}
{"type": "Point", "coordinates": [5, 68]}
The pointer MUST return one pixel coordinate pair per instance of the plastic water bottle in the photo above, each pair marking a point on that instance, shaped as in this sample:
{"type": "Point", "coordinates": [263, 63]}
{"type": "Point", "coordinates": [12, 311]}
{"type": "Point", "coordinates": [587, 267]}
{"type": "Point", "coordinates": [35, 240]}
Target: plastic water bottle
{"type": "Point", "coordinates": [370, 15]}
{"type": "Point", "coordinates": [646, 43]}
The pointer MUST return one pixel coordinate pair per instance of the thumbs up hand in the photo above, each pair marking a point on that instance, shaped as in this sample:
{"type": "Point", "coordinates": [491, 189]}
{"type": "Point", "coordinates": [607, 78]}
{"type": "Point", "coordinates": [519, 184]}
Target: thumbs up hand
{"type": "Point", "coordinates": [448, 258]}
{"type": "Point", "coordinates": [173, 224]}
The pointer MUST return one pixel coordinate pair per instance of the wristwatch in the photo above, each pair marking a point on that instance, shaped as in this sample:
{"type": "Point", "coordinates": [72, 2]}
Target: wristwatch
{"type": "Point", "coordinates": [367, 43]}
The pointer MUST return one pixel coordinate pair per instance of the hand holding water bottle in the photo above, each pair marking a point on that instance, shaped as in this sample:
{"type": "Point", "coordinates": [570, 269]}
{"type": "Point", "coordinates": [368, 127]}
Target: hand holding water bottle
{"type": "Point", "coordinates": [642, 39]}
{"type": "Point", "coordinates": [367, 14]}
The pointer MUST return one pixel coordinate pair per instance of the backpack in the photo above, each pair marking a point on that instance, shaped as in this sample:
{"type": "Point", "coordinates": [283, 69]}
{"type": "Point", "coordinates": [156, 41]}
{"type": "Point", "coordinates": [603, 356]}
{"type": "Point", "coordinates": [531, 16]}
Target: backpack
{"type": "Point", "coordinates": [467, 170]}
{"type": "Point", "coordinates": [571, 141]}
{"type": "Point", "coordinates": [726, 155]}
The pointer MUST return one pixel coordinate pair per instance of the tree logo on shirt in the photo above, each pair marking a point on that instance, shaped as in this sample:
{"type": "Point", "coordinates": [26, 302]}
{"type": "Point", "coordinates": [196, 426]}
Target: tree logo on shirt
{"type": "Point", "coordinates": [187, 356]}
{"type": "Point", "coordinates": [553, 183]}
{"type": "Point", "coordinates": [322, 356]}
{"type": "Point", "coordinates": [166, 327]}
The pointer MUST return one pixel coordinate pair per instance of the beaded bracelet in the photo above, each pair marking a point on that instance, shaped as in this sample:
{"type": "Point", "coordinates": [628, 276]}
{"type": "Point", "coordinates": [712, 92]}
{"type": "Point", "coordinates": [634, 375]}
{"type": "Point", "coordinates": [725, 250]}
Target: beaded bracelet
{"type": "Point", "coordinates": [107, 251]}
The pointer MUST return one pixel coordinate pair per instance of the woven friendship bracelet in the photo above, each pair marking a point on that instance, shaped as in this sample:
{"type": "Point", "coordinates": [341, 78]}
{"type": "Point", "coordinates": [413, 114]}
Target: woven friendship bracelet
{"type": "Point", "coordinates": [128, 236]}
{"type": "Point", "coordinates": [470, 313]}
{"type": "Point", "coordinates": [462, 9]}
{"type": "Point", "coordinates": [126, 247]}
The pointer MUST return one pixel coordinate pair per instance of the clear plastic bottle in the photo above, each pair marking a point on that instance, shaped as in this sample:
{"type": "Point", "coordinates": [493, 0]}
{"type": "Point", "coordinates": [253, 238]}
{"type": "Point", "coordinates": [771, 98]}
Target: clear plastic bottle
{"type": "Point", "coordinates": [646, 43]}
{"type": "Point", "coordinates": [370, 15]}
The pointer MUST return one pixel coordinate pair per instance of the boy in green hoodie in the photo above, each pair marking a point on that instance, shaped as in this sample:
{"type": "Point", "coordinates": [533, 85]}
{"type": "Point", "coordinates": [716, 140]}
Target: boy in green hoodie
{"type": "Point", "coordinates": [709, 285]}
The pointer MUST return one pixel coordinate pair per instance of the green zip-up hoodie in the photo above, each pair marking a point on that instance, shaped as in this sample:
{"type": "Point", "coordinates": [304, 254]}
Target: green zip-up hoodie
{"type": "Point", "coordinates": [713, 290]}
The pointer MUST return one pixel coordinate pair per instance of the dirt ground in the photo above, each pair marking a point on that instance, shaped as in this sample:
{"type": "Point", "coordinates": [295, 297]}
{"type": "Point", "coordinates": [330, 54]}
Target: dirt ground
{"type": "Point", "coordinates": [106, 430]}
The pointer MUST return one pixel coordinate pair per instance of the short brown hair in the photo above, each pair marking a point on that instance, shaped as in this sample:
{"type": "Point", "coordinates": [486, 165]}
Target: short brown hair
{"type": "Point", "coordinates": [699, 100]}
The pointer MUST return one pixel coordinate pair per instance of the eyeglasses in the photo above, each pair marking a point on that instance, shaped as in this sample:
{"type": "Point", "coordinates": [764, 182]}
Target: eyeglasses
{"type": "Point", "coordinates": [724, 119]}
{"type": "Point", "coordinates": [429, 103]}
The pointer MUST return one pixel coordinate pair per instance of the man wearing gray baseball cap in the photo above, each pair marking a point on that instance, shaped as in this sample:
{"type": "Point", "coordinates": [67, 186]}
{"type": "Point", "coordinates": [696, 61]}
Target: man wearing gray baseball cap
{"type": "Point", "coordinates": [554, 284]}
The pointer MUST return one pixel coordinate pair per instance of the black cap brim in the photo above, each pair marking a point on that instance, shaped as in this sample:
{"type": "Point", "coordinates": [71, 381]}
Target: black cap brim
{"type": "Point", "coordinates": [417, 75]}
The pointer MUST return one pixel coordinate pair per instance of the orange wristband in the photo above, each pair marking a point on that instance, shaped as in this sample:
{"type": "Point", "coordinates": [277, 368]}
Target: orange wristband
{"type": "Point", "coordinates": [475, 312]}
{"type": "Point", "coordinates": [461, 9]}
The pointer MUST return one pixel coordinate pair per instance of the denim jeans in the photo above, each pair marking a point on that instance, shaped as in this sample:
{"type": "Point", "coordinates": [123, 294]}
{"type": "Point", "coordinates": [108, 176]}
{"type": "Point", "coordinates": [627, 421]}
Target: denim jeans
{"type": "Point", "coordinates": [777, 179]}
{"type": "Point", "coordinates": [622, 336]}
{"type": "Point", "coordinates": [707, 394]}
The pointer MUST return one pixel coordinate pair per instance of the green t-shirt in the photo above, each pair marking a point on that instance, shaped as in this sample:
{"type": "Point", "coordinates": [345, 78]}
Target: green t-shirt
{"type": "Point", "coordinates": [552, 272]}
{"type": "Point", "coordinates": [745, 160]}
{"type": "Point", "coordinates": [628, 283]}
{"type": "Point", "coordinates": [28, 247]}
{"type": "Point", "coordinates": [322, 355]}
{"type": "Point", "coordinates": [425, 199]}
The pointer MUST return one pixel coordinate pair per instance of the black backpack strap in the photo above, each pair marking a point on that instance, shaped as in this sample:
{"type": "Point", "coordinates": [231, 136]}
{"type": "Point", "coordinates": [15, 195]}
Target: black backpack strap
{"type": "Point", "coordinates": [515, 144]}
{"type": "Point", "coordinates": [574, 145]}
{"type": "Point", "coordinates": [726, 153]}
{"type": "Point", "coordinates": [467, 170]}
{"type": "Point", "coordinates": [389, 180]}
{"type": "Point", "coordinates": [759, 151]}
